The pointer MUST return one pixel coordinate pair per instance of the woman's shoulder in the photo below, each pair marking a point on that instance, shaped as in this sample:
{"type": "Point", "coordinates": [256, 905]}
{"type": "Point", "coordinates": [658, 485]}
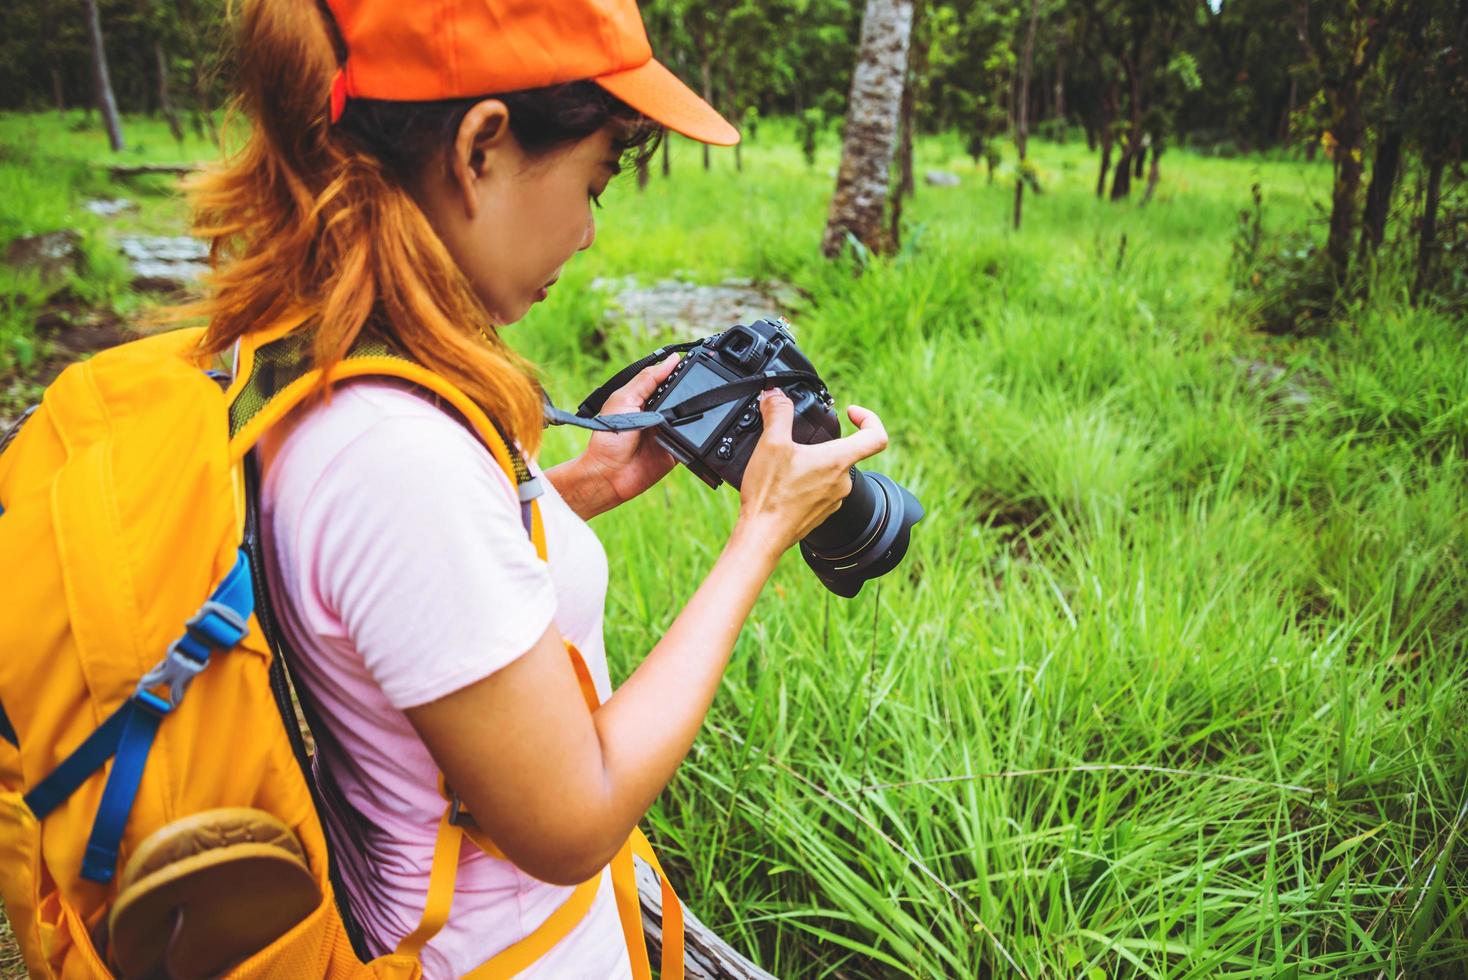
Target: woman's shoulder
{"type": "Point", "coordinates": [375, 429]}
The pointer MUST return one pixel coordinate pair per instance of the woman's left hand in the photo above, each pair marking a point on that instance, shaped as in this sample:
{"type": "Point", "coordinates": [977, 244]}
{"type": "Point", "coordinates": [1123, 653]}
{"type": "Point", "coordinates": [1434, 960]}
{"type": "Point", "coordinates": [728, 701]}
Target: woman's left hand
{"type": "Point", "coordinates": [618, 466]}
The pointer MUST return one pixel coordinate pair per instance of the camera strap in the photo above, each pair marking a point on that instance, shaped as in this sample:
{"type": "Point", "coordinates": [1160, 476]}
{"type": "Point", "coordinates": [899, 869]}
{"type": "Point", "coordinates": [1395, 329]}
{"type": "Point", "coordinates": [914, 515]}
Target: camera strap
{"type": "Point", "coordinates": [673, 414]}
{"type": "Point", "coordinates": [598, 398]}
{"type": "Point", "coordinates": [622, 422]}
{"type": "Point", "coordinates": [734, 390]}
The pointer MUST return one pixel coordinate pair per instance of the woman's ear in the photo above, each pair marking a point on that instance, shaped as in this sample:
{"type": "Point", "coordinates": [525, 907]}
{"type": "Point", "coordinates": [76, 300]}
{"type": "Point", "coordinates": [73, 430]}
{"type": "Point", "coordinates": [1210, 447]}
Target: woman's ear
{"type": "Point", "coordinates": [480, 145]}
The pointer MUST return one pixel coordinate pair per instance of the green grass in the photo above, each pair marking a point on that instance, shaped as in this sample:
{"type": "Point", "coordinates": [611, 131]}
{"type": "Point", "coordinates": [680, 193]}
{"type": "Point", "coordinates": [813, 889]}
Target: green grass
{"type": "Point", "coordinates": [1171, 683]}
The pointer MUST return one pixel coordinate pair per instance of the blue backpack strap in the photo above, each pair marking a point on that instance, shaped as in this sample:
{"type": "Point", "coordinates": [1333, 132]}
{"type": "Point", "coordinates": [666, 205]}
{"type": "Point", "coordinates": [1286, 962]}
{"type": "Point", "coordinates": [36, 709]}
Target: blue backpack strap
{"type": "Point", "coordinates": [129, 731]}
{"type": "Point", "coordinates": [86, 759]}
{"type": "Point", "coordinates": [136, 739]}
{"type": "Point", "coordinates": [7, 730]}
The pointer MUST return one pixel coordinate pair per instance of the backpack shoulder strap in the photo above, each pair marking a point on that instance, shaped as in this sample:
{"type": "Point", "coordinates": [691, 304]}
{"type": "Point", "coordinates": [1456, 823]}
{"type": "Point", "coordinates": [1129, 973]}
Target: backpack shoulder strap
{"type": "Point", "coordinates": [273, 376]}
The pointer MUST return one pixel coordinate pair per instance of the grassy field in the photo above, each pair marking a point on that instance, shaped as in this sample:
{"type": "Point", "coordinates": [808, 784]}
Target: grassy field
{"type": "Point", "coordinates": [1172, 682]}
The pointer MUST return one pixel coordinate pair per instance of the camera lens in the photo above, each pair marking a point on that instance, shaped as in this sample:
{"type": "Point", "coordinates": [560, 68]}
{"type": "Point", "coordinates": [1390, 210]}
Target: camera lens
{"type": "Point", "coordinates": [867, 537]}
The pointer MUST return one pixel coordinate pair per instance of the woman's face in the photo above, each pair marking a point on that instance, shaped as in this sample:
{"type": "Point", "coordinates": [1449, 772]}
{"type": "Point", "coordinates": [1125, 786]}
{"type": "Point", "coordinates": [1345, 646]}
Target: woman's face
{"type": "Point", "coordinates": [510, 220]}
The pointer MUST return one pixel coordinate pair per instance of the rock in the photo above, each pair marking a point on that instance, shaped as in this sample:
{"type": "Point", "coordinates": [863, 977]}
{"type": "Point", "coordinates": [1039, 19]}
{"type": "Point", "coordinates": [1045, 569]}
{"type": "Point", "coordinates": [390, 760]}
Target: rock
{"type": "Point", "coordinates": [1277, 384]}
{"type": "Point", "coordinates": [53, 255]}
{"type": "Point", "coordinates": [940, 178]}
{"type": "Point", "coordinates": [690, 310]}
{"type": "Point", "coordinates": [164, 263]}
{"type": "Point", "coordinates": [109, 207]}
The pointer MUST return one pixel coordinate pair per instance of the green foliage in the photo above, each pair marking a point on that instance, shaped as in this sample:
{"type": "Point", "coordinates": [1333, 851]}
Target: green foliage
{"type": "Point", "coordinates": [1170, 684]}
{"type": "Point", "coordinates": [49, 168]}
{"type": "Point", "coordinates": [1283, 283]}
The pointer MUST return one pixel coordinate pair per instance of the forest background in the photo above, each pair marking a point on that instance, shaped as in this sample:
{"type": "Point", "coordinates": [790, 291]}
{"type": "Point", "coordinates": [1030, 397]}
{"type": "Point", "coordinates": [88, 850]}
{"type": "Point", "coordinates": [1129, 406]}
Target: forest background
{"type": "Point", "coordinates": [1164, 305]}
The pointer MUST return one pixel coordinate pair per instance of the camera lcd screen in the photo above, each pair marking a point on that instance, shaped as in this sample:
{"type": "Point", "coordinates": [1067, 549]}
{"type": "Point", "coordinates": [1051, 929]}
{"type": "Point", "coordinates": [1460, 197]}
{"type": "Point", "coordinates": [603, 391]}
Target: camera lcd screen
{"type": "Point", "coordinates": [695, 381]}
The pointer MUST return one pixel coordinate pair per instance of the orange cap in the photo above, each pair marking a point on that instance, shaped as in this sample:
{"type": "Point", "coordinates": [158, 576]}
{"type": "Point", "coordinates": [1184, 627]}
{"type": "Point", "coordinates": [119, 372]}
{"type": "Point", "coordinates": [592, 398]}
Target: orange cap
{"type": "Point", "coordinates": [411, 51]}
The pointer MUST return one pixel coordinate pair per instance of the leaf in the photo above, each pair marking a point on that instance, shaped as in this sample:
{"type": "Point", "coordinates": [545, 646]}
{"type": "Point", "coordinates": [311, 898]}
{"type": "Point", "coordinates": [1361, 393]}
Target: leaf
{"type": "Point", "coordinates": [1350, 842]}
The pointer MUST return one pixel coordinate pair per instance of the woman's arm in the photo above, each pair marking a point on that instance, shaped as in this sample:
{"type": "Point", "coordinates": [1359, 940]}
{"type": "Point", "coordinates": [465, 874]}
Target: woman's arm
{"type": "Point", "coordinates": [559, 789]}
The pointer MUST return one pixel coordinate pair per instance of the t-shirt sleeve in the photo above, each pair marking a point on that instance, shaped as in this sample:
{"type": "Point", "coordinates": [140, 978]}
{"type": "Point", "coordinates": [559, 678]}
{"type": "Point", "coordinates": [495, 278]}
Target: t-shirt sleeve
{"type": "Point", "coordinates": [412, 540]}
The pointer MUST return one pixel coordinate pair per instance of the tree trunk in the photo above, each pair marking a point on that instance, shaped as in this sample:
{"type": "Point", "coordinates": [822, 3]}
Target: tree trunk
{"type": "Point", "coordinates": [642, 172]}
{"type": "Point", "coordinates": [1105, 162]}
{"type": "Point", "coordinates": [1140, 165]}
{"type": "Point", "coordinates": [1022, 123]}
{"type": "Point", "coordinates": [1347, 126]}
{"type": "Point", "coordinates": [905, 186]}
{"type": "Point", "coordinates": [905, 183]}
{"type": "Point", "coordinates": [1060, 88]}
{"type": "Point", "coordinates": [859, 203]}
{"type": "Point", "coordinates": [203, 104]}
{"type": "Point", "coordinates": [1289, 112]}
{"type": "Point", "coordinates": [165, 102]}
{"type": "Point", "coordinates": [731, 101]}
{"type": "Point", "coordinates": [1379, 192]}
{"type": "Point", "coordinates": [1121, 177]}
{"type": "Point", "coordinates": [1154, 172]}
{"type": "Point", "coordinates": [1387, 163]}
{"type": "Point", "coordinates": [667, 163]}
{"type": "Point", "coordinates": [708, 96]}
{"type": "Point", "coordinates": [1427, 236]}
{"type": "Point", "coordinates": [101, 81]}
{"type": "Point", "coordinates": [1121, 174]}
{"type": "Point", "coordinates": [917, 57]}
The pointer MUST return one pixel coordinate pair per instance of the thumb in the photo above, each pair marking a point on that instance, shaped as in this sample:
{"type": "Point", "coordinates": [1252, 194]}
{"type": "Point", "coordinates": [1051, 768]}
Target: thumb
{"type": "Point", "coordinates": [778, 412]}
{"type": "Point", "coordinates": [635, 393]}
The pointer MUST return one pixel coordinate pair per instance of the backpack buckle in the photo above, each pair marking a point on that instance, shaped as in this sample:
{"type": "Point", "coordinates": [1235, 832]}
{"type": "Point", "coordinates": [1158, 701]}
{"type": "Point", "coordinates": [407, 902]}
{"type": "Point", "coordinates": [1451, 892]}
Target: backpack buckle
{"type": "Point", "coordinates": [213, 628]}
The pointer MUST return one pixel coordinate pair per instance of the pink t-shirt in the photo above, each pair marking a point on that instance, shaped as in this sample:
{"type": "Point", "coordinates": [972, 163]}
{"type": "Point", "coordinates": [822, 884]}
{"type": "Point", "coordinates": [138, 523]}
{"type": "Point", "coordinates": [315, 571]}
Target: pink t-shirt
{"type": "Point", "coordinates": [401, 572]}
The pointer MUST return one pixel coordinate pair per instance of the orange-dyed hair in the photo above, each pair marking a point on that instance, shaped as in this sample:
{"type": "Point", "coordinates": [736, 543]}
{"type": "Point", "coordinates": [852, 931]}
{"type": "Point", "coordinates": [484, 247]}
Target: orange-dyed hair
{"type": "Point", "coordinates": [303, 217]}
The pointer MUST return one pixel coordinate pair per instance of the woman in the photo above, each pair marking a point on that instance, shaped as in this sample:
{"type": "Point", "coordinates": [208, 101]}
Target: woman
{"type": "Point", "coordinates": [436, 199]}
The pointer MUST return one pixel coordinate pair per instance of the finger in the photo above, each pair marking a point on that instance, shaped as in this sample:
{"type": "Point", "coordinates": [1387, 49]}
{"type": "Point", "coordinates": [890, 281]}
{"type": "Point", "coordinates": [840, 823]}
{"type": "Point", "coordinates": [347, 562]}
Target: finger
{"type": "Point", "coordinates": [869, 438]}
{"type": "Point", "coordinates": [778, 413]}
{"type": "Point", "coordinates": [635, 393]}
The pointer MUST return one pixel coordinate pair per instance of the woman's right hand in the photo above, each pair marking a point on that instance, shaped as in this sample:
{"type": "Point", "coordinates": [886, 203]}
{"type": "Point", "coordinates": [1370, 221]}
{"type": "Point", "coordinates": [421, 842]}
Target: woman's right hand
{"type": "Point", "coordinates": [789, 488]}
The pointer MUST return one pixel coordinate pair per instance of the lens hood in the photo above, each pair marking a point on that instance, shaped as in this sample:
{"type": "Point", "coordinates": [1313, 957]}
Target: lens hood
{"type": "Point", "coordinates": [875, 548]}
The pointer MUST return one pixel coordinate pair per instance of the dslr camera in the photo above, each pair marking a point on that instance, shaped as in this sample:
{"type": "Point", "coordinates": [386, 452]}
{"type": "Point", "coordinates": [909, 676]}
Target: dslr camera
{"type": "Point", "coordinates": [706, 414]}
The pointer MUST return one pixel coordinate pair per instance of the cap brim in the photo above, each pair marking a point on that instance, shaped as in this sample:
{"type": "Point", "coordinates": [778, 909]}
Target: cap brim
{"type": "Point", "coordinates": [658, 94]}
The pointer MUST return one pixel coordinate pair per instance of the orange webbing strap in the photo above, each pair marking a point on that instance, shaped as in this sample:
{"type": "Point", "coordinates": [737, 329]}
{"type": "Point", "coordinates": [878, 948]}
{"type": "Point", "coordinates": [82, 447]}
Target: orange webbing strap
{"type": "Point", "coordinates": [672, 910]}
{"type": "Point", "coordinates": [583, 677]}
{"type": "Point", "coordinates": [537, 531]}
{"type": "Point", "coordinates": [629, 910]}
{"type": "Point", "coordinates": [440, 888]}
{"type": "Point", "coordinates": [512, 960]}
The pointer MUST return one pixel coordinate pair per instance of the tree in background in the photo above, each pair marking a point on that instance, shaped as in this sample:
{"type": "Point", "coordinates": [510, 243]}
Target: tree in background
{"type": "Point", "coordinates": [859, 205]}
{"type": "Point", "coordinates": [967, 71]}
{"type": "Point", "coordinates": [1341, 41]}
{"type": "Point", "coordinates": [1376, 84]}
{"type": "Point", "coordinates": [101, 80]}
{"type": "Point", "coordinates": [1433, 120]}
{"type": "Point", "coordinates": [1022, 111]}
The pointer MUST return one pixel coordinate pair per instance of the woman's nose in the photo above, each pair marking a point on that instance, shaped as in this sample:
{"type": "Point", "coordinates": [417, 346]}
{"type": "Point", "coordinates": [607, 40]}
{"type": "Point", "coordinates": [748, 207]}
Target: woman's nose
{"type": "Point", "coordinates": [590, 235]}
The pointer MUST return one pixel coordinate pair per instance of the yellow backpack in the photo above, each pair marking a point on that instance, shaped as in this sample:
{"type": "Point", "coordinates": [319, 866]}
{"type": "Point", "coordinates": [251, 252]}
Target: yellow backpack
{"type": "Point", "coordinates": [140, 681]}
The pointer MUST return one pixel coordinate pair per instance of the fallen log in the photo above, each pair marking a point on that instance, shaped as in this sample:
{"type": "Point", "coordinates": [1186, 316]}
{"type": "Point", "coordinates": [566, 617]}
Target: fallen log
{"type": "Point", "coordinates": [705, 955]}
{"type": "Point", "coordinates": [120, 171]}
